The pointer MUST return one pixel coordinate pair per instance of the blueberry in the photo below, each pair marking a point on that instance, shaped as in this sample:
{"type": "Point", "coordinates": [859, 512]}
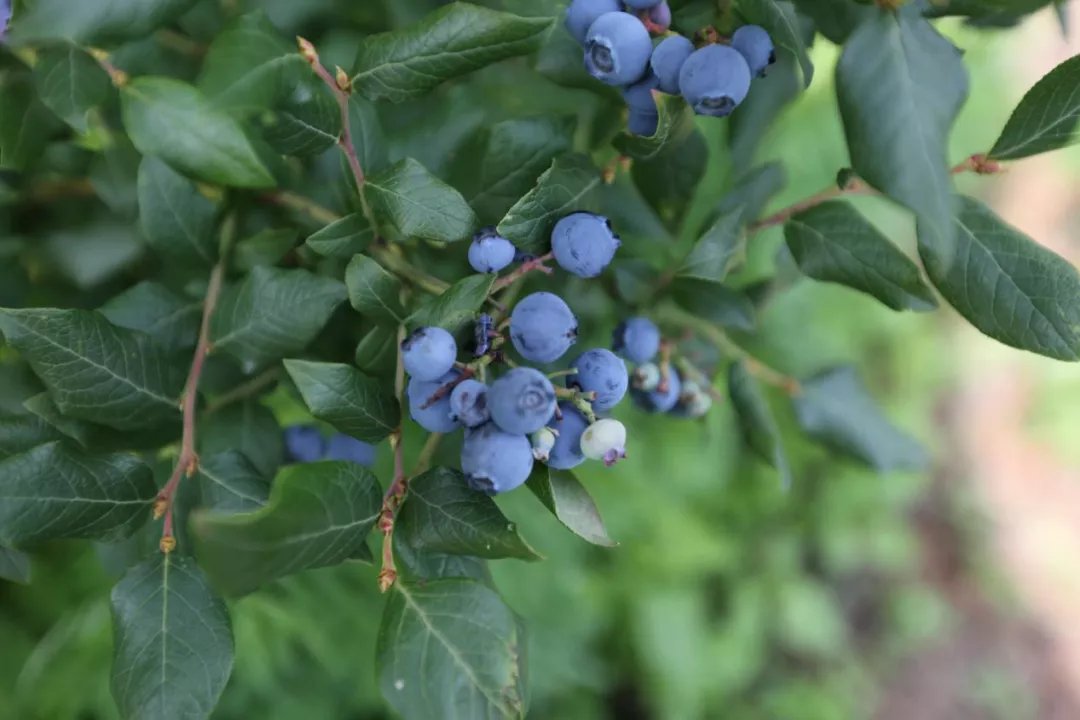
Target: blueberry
{"type": "Point", "coordinates": [756, 47]}
{"type": "Point", "coordinates": [642, 123]}
{"type": "Point", "coordinates": [660, 15]}
{"type": "Point", "coordinates": [656, 401]}
{"type": "Point", "coordinates": [304, 443]}
{"type": "Point", "coordinates": [583, 13]}
{"type": "Point", "coordinates": [604, 440]}
{"type": "Point", "coordinates": [542, 327]}
{"type": "Point", "coordinates": [584, 244]}
{"type": "Point", "coordinates": [637, 339]}
{"type": "Point", "coordinates": [436, 417]}
{"type": "Point", "coordinates": [343, 447]}
{"type": "Point", "coordinates": [694, 402]}
{"type": "Point", "coordinates": [617, 49]}
{"type": "Point", "coordinates": [469, 404]}
{"type": "Point", "coordinates": [495, 461]}
{"type": "Point", "coordinates": [543, 440]}
{"type": "Point", "coordinates": [714, 80]}
{"type": "Point", "coordinates": [641, 4]}
{"type": "Point", "coordinates": [490, 252]}
{"type": "Point", "coordinates": [566, 453]}
{"type": "Point", "coordinates": [521, 401]}
{"type": "Point", "coordinates": [5, 17]}
{"type": "Point", "coordinates": [639, 95]}
{"type": "Point", "coordinates": [600, 371]}
{"type": "Point", "coordinates": [482, 332]}
{"type": "Point", "coordinates": [667, 61]}
{"type": "Point", "coordinates": [428, 353]}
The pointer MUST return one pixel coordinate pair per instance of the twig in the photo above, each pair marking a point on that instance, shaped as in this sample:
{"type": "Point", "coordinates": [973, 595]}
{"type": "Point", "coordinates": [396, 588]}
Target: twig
{"type": "Point", "coordinates": [243, 391]}
{"type": "Point", "coordinates": [431, 445]}
{"type": "Point", "coordinates": [524, 269]}
{"type": "Point", "coordinates": [399, 487]}
{"type": "Point", "coordinates": [180, 43]}
{"type": "Point", "coordinates": [118, 77]}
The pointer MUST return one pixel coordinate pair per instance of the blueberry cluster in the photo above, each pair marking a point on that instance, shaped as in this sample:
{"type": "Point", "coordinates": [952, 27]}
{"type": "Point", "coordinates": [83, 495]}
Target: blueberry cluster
{"type": "Point", "coordinates": [619, 51]}
{"type": "Point", "coordinates": [521, 417]}
{"type": "Point", "coordinates": [658, 387]}
{"type": "Point", "coordinates": [305, 443]}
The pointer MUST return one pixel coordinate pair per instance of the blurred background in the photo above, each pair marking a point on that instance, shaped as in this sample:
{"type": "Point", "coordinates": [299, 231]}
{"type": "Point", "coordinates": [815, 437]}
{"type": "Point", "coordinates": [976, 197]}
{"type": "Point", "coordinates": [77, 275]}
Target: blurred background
{"type": "Point", "coordinates": [950, 595]}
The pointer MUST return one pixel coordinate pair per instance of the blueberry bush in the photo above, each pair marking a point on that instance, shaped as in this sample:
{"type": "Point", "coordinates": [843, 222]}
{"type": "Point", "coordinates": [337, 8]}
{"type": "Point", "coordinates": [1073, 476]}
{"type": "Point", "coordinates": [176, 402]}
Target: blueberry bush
{"type": "Point", "coordinates": [306, 289]}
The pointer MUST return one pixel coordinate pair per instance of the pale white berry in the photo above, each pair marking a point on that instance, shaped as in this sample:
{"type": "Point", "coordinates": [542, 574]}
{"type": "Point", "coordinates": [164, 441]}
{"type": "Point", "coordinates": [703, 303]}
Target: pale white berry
{"type": "Point", "coordinates": [646, 377]}
{"type": "Point", "coordinates": [542, 441]}
{"type": "Point", "coordinates": [604, 440]}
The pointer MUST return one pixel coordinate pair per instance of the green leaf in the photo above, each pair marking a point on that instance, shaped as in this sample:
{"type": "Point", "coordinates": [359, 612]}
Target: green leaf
{"type": "Point", "coordinates": [53, 492]}
{"type": "Point", "coordinates": [70, 83]}
{"type": "Point", "coordinates": [172, 641]}
{"type": "Point", "coordinates": [715, 302]}
{"type": "Point", "coordinates": [266, 247]}
{"type": "Point", "coordinates": [176, 219]}
{"type": "Point", "coordinates": [373, 291]}
{"type": "Point", "coordinates": [835, 409]}
{"type": "Point", "coordinates": [452, 41]}
{"type": "Point", "coordinates": [562, 189]}
{"type": "Point", "coordinates": [748, 127]}
{"type": "Point", "coordinates": [721, 249]}
{"type": "Point", "coordinates": [94, 370]}
{"type": "Point", "coordinates": [635, 280]}
{"type": "Point", "coordinates": [753, 191]}
{"type": "Point", "coordinates": [319, 515]}
{"type": "Point", "coordinates": [172, 321]}
{"type": "Point", "coordinates": [414, 564]}
{"type": "Point", "coordinates": [367, 134]}
{"type": "Point", "coordinates": [1046, 118]}
{"type": "Point", "coordinates": [93, 22]}
{"type": "Point", "coordinates": [834, 243]}
{"type": "Point", "coordinates": [25, 123]}
{"type": "Point", "coordinates": [376, 353]}
{"type": "Point", "coordinates": [80, 431]}
{"type": "Point", "coordinates": [670, 180]}
{"type": "Point", "coordinates": [675, 125]}
{"type": "Point", "coordinates": [756, 421]}
{"type": "Point", "coordinates": [1008, 286]}
{"type": "Point", "coordinates": [419, 205]}
{"type": "Point", "coordinates": [900, 86]}
{"type": "Point", "coordinates": [502, 162]}
{"type": "Point", "coordinates": [568, 500]}
{"type": "Point", "coordinates": [250, 66]}
{"type": "Point", "coordinates": [780, 19]}
{"type": "Point", "coordinates": [273, 313]}
{"type": "Point", "coordinates": [343, 238]}
{"type": "Point", "coordinates": [248, 427]}
{"type": "Point", "coordinates": [229, 483]}
{"type": "Point", "coordinates": [352, 402]}
{"type": "Point", "coordinates": [443, 515]}
{"type": "Point", "coordinates": [176, 122]}
{"type": "Point", "coordinates": [305, 122]}
{"type": "Point", "coordinates": [24, 432]}
{"type": "Point", "coordinates": [14, 566]}
{"type": "Point", "coordinates": [451, 649]}
{"type": "Point", "coordinates": [457, 306]}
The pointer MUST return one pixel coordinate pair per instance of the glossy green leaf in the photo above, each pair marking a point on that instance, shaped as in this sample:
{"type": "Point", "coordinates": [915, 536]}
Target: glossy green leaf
{"type": "Point", "coordinates": [835, 409]}
{"type": "Point", "coordinates": [675, 124]}
{"type": "Point", "coordinates": [80, 431]}
{"type": "Point", "coordinates": [443, 515]}
{"type": "Point", "coordinates": [266, 247]}
{"type": "Point", "coordinates": [670, 180]}
{"type": "Point", "coordinates": [751, 124]}
{"type": "Point", "coordinates": [376, 353]}
{"type": "Point", "coordinates": [352, 402]}
{"type": "Point", "coordinates": [753, 190]}
{"type": "Point", "coordinates": [172, 321]}
{"type": "Point", "coordinates": [70, 83]}
{"type": "Point", "coordinates": [569, 501]}
{"type": "Point", "coordinates": [176, 219]}
{"type": "Point", "coordinates": [900, 86]}
{"type": "Point", "coordinates": [25, 123]}
{"type": "Point", "coordinates": [418, 205]}
{"type": "Point", "coordinates": [715, 302]}
{"type": "Point", "coordinates": [414, 564]}
{"type": "Point", "coordinates": [94, 370]}
{"type": "Point", "coordinates": [54, 492]}
{"type": "Point", "coordinates": [367, 134]}
{"type": "Point", "coordinates": [93, 22]}
{"type": "Point", "coordinates": [273, 313]}
{"type": "Point", "coordinates": [319, 514]}
{"type": "Point", "coordinates": [451, 649]}
{"type": "Point", "coordinates": [457, 306]}
{"type": "Point", "coordinates": [176, 122]}
{"type": "Point", "coordinates": [19, 433]}
{"type": "Point", "coordinates": [248, 427]}
{"type": "Point", "coordinates": [343, 238]}
{"type": "Point", "coordinates": [721, 249]}
{"type": "Point", "coordinates": [229, 482]}
{"type": "Point", "coordinates": [1008, 286]}
{"type": "Point", "coordinates": [452, 41]}
{"type": "Point", "coordinates": [782, 23]}
{"type": "Point", "coordinates": [834, 243]}
{"type": "Point", "coordinates": [14, 566]}
{"type": "Point", "coordinates": [562, 189]}
{"type": "Point", "coordinates": [373, 291]}
{"type": "Point", "coordinates": [1046, 118]}
{"type": "Point", "coordinates": [172, 641]}
{"type": "Point", "coordinates": [756, 421]}
{"type": "Point", "coordinates": [305, 122]}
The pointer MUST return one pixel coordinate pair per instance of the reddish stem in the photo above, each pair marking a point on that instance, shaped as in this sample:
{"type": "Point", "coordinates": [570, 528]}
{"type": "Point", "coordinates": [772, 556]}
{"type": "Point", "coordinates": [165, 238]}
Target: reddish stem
{"type": "Point", "coordinates": [524, 269]}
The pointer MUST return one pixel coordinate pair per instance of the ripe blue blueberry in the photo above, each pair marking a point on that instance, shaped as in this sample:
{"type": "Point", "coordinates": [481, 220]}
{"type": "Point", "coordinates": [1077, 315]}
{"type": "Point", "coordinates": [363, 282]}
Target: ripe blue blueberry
{"type": "Point", "coordinates": [435, 417]}
{"type": "Point", "coordinates": [521, 401]}
{"type": "Point", "coordinates": [644, 117]}
{"type": "Point", "coordinates": [655, 400]}
{"type": "Point", "coordinates": [468, 403]}
{"type": "Point", "coordinates": [617, 49]}
{"type": "Point", "coordinates": [304, 443]}
{"type": "Point", "coordinates": [584, 244]}
{"type": "Point", "coordinates": [602, 372]}
{"type": "Point", "coordinates": [5, 17]}
{"type": "Point", "coordinates": [756, 47]}
{"type": "Point", "coordinates": [428, 353]}
{"type": "Point", "coordinates": [714, 80]}
{"type": "Point", "coordinates": [583, 13]}
{"type": "Point", "coordinates": [566, 453]}
{"type": "Point", "coordinates": [642, 123]}
{"type": "Point", "coordinates": [637, 339]}
{"type": "Point", "coordinates": [542, 327]}
{"type": "Point", "coordinates": [660, 16]}
{"type": "Point", "coordinates": [667, 61]}
{"type": "Point", "coordinates": [495, 461]}
{"type": "Point", "coordinates": [641, 4]}
{"type": "Point", "coordinates": [343, 447]}
{"type": "Point", "coordinates": [490, 252]}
